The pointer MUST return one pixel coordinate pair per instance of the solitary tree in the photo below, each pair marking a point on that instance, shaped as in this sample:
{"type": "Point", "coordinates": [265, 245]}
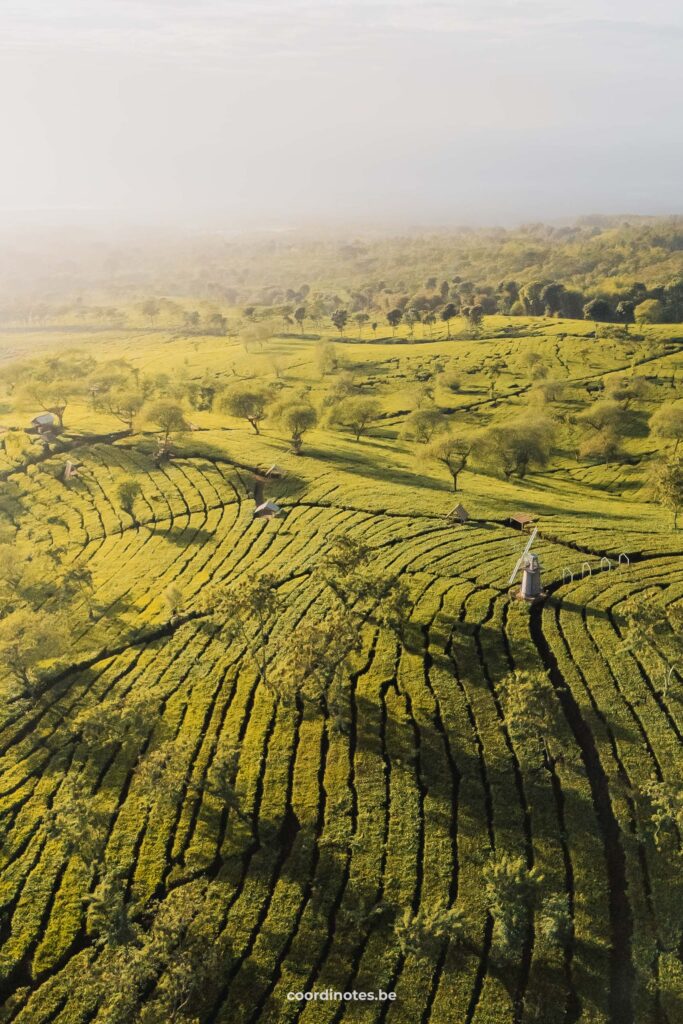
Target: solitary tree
{"type": "Point", "coordinates": [245, 611]}
{"type": "Point", "coordinates": [451, 377]}
{"type": "Point", "coordinates": [625, 389]}
{"type": "Point", "coordinates": [343, 565]}
{"type": "Point", "coordinates": [605, 413]}
{"type": "Point", "coordinates": [124, 405]}
{"type": "Point", "coordinates": [531, 711]}
{"type": "Point", "coordinates": [168, 416]}
{"type": "Point", "coordinates": [247, 402]}
{"type": "Point", "coordinates": [493, 372]}
{"type": "Point", "coordinates": [297, 418]}
{"type": "Point", "coordinates": [517, 446]}
{"type": "Point", "coordinates": [453, 453]}
{"type": "Point", "coordinates": [422, 424]}
{"type": "Point", "coordinates": [127, 491]}
{"type": "Point", "coordinates": [28, 642]}
{"type": "Point", "coordinates": [512, 893]}
{"type": "Point", "coordinates": [653, 623]}
{"type": "Point", "coordinates": [667, 422]}
{"type": "Point", "coordinates": [664, 802]}
{"type": "Point", "coordinates": [316, 661]}
{"type": "Point", "coordinates": [422, 933]}
{"type": "Point", "coordinates": [602, 446]}
{"type": "Point", "coordinates": [668, 484]}
{"type": "Point", "coordinates": [356, 414]}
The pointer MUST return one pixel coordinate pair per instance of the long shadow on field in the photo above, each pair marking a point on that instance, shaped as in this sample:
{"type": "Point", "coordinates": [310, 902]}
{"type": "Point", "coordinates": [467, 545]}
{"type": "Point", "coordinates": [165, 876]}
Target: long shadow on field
{"type": "Point", "coordinates": [370, 468]}
{"type": "Point", "coordinates": [360, 915]}
{"type": "Point", "coordinates": [187, 538]}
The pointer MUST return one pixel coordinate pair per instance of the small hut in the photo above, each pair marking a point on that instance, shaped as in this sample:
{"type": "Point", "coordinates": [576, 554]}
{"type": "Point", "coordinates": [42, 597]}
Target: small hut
{"type": "Point", "coordinates": [267, 510]}
{"type": "Point", "coordinates": [274, 472]}
{"type": "Point", "coordinates": [70, 470]}
{"type": "Point", "coordinates": [458, 514]}
{"type": "Point", "coordinates": [44, 423]}
{"type": "Point", "coordinates": [521, 520]}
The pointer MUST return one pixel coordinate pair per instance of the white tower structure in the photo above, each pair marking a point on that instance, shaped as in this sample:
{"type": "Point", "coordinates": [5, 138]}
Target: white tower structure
{"type": "Point", "coordinates": [531, 578]}
{"type": "Point", "coordinates": [531, 587]}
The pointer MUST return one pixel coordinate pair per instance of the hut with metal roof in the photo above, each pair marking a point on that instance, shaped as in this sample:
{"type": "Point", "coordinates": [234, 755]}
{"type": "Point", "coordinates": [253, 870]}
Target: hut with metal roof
{"type": "Point", "coordinates": [44, 423]}
{"type": "Point", "coordinates": [268, 510]}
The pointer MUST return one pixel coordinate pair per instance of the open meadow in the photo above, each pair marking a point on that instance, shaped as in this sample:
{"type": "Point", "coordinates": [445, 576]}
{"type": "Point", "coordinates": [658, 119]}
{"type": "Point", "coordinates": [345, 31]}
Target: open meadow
{"type": "Point", "coordinates": [325, 746]}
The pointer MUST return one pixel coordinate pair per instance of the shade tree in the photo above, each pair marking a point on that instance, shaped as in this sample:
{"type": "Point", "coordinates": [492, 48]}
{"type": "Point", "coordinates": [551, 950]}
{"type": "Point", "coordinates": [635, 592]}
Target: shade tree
{"type": "Point", "coordinates": [451, 377]}
{"type": "Point", "coordinates": [447, 314]}
{"type": "Point", "coordinates": [422, 424]}
{"type": "Point", "coordinates": [667, 480]}
{"type": "Point", "coordinates": [667, 422]}
{"type": "Point", "coordinates": [29, 642]}
{"type": "Point", "coordinates": [625, 388]}
{"type": "Point", "coordinates": [248, 402]}
{"type": "Point", "coordinates": [356, 414]}
{"type": "Point", "coordinates": [300, 317]}
{"type": "Point", "coordinates": [244, 611]}
{"type": "Point", "coordinates": [297, 417]}
{"type": "Point", "coordinates": [422, 933]}
{"type": "Point", "coordinates": [394, 317]}
{"type": "Point", "coordinates": [453, 452]}
{"type": "Point", "coordinates": [127, 492]}
{"type": "Point", "coordinates": [517, 446]}
{"type": "Point", "coordinates": [168, 416]}
{"type": "Point", "coordinates": [601, 415]}
{"type": "Point", "coordinates": [531, 715]}
{"type": "Point", "coordinates": [314, 664]}
{"type": "Point", "coordinates": [340, 318]}
{"type": "Point", "coordinates": [124, 404]}
{"type": "Point", "coordinates": [602, 446]}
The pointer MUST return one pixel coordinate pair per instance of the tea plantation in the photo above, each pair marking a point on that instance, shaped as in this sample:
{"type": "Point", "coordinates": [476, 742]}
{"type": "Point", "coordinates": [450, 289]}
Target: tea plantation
{"type": "Point", "coordinates": [480, 812]}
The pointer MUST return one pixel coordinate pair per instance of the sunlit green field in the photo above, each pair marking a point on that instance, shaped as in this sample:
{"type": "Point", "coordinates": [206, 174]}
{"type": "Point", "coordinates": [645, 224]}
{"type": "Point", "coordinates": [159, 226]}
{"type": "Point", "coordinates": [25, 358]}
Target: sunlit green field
{"type": "Point", "coordinates": [393, 804]}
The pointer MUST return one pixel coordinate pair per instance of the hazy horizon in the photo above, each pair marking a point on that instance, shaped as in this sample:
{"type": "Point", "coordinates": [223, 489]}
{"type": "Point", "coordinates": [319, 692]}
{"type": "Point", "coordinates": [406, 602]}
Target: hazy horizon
{"type": "Point", "coordinates": [264, 114]}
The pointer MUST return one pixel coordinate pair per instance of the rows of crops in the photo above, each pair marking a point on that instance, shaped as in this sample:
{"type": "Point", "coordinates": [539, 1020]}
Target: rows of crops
{"type": "Point", "coordinates": [339, 828]}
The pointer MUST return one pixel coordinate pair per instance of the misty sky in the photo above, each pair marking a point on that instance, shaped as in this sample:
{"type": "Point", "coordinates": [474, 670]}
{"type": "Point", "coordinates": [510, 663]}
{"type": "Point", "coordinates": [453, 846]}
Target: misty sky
{"type": "Point", "coordinates": [262, 112]}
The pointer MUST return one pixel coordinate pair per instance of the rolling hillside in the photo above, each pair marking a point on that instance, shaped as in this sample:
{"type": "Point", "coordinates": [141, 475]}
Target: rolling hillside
{"type": "Point", "coordinates": [182, 842]}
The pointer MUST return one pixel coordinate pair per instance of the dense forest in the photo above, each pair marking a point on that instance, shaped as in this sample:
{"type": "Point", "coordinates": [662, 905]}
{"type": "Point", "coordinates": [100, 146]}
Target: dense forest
{"type": "Point", "coordinates": [604, 269]}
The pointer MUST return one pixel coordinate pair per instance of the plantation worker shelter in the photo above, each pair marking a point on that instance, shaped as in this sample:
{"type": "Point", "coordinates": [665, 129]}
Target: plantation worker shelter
{"type": "Point", "coordinates": [268, 510]}
{"type": "Point", "coordinates": [521, 521]}
{"type": "Point", "coordinates": [458, 514]}
{"type": "Point", "coordinates": [45, 423]}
